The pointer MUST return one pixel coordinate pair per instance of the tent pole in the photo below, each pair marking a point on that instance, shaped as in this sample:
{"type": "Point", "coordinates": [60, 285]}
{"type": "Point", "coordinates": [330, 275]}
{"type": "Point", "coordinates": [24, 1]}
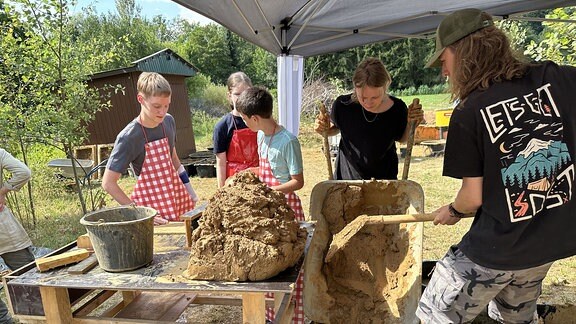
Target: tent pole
{"type": "Point", "coordinates": [290, 82]}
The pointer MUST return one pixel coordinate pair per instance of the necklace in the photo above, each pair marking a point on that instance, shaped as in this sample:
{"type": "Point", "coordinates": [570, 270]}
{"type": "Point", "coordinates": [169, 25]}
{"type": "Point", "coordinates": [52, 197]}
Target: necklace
{"type": "Point", "coordinates": [376, 114]}
{"type": "Point", "coordinates": [366, 118]}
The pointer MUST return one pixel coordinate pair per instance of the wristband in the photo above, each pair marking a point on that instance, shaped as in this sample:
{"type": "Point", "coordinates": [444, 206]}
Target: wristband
{"type": "Point", "coordinates": [453, 212]}
{"type": "Point", "coordinates": [184, 177]}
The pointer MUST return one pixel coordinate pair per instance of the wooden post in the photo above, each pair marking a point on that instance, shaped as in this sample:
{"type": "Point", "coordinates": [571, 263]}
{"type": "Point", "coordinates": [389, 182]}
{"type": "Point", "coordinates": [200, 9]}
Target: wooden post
{"type": "Point", "coordinates": [253, 308]}
{"type": "Point", "coordinates": [56, 303]}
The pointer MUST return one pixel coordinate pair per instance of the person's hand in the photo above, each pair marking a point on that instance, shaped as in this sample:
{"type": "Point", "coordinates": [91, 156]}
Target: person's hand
{"type": "Point", "coordinates": [415, 113]}
{"type": "Point", "coordinates": [444, 217]}
{"type": "Point", "coordinates": [322, 123]}
{"type": "Point", "coordinates": [158, 220]}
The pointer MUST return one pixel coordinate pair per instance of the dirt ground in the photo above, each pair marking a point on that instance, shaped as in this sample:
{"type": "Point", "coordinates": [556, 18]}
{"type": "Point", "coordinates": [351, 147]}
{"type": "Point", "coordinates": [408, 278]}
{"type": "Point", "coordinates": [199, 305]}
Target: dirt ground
{"type": "Point", "coordinates": [559, 287]}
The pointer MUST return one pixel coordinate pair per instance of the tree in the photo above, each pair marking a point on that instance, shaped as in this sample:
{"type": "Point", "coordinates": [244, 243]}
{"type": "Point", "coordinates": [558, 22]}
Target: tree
{"type": "Point", "coordinates": [206, 47]}
{"type": "Point", "coordinates": [120, 38]}
{"type": "Point", "coordinates": [558, 39]}
{"type": "Point", "coordinates": [46, 97]}
{"type": "Point", "coordinates": [404, 59]}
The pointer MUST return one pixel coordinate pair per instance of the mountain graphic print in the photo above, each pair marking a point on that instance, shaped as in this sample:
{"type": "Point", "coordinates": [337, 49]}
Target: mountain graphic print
{"type": "Point", "coordinates": [536, 168]}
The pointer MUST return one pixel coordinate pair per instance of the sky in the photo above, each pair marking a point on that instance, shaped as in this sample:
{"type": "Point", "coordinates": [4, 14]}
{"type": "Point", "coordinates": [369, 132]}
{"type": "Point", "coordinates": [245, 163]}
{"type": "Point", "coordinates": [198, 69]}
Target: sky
{"type": "Point", "coordinates": [149, 9]}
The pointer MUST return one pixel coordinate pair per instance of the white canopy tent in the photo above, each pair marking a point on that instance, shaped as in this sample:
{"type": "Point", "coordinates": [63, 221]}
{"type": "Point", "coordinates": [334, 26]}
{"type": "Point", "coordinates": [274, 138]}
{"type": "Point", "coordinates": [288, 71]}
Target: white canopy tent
{"type": "Point", "coordinates": [294, 29]}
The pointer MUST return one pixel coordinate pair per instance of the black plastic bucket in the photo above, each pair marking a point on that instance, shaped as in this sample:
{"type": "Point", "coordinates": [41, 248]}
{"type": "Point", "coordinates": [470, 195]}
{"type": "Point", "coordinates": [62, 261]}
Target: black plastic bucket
{"type": "Point", "coordinates": [122, 237]}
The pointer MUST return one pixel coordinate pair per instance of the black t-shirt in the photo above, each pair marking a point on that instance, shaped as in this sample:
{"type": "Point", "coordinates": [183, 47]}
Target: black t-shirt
{"type": "Point", "coordinates": [224, 130]}
{"type": "Point", "coordinates": [367, 146]}
{"type": "Point", "coordinates": [519, 136]}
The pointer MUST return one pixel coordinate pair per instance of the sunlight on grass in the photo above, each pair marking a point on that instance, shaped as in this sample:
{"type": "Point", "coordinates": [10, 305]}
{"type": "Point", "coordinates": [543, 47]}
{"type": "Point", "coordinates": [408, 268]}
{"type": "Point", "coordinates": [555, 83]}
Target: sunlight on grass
{"type": "Point", "coordinates": [431, 102]}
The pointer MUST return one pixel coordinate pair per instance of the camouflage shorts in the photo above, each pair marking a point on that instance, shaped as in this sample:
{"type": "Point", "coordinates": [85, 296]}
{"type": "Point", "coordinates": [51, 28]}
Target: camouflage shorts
{"type": "Point", "coordinates": [460, 289]}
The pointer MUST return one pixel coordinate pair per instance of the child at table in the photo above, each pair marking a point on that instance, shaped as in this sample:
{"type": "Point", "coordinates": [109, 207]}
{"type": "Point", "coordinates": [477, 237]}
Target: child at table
{"type": "Point", "coordinates": [280, 163]}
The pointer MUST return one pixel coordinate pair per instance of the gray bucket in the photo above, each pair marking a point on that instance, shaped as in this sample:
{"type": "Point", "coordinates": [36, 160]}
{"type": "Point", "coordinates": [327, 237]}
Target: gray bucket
{"type": "Point", "coordinates": [122, 237]}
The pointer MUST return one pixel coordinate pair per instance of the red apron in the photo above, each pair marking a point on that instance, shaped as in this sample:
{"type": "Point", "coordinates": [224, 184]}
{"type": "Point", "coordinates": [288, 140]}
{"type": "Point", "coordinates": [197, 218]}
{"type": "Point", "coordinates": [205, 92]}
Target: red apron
{"type": "Point", "coordinates": [158, 186]}
{"type": "Point", "coordinates": [242, 152]}
{"type": "Point", "coordinates": [265, 174]}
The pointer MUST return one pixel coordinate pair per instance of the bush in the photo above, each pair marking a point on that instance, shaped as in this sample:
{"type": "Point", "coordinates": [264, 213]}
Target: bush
{"type": "Point", "coordinates": [213, 101]}
{"type": "Point", "coordinates": [197, 84]}
{"type": "Point", "coordinates": [422, 90]}
{"type": "Point", "coordinates": [203, 125]}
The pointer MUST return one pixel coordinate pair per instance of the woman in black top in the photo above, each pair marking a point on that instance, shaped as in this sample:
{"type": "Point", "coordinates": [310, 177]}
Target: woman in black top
{"type": "Point", "coordinates": [370, 122]}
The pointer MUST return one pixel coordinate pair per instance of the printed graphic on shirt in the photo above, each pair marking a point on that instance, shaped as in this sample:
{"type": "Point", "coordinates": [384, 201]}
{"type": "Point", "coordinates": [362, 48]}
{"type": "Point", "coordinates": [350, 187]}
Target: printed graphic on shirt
{"type": "Point", "coordinates": [537, 171]}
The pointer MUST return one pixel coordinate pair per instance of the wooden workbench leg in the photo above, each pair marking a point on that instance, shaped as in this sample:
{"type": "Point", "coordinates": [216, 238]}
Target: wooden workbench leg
{"type": "Point", "coordinates": [283, 308]}
{"type": "Point", "coordinates": [56, 303]}
{"type": "Point", "coordinates": [188, 225]}
{"type": "Point", "coordinates": [253, 308]}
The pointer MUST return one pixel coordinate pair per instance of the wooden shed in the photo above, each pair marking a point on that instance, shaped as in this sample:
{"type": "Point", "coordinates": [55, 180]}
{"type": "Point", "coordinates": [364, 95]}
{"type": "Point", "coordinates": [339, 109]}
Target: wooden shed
{"type": "Point", "coordinates": [125, 107]}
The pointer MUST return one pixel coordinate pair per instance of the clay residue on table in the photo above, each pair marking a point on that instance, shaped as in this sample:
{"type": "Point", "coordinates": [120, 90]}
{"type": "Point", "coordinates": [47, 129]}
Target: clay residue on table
{"type": "Point", "coordinates": [247, 233]}
{"type": "Point", "coordinates": [370, 278]}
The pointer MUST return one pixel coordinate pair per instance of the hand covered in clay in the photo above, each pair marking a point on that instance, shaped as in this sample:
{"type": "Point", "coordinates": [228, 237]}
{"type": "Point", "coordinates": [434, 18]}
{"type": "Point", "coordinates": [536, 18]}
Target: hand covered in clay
{"type": "Point", "coordinates": [415, 113]}
{"type": "Point", "coordinates": [322, 123]}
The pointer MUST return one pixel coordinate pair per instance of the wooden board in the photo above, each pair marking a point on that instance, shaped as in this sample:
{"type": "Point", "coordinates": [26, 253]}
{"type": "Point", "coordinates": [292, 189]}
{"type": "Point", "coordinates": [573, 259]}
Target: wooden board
{"type": "Point", "coordinates": [47, 263]}
{"type": "Point", "coordinates": [194, 213]}
{"type": "Point", "coordinates": [83, 242]}
{"type": "Point", "coordinates": [84, 265]}
{"type": "Point", "coordinates": [158, 306]}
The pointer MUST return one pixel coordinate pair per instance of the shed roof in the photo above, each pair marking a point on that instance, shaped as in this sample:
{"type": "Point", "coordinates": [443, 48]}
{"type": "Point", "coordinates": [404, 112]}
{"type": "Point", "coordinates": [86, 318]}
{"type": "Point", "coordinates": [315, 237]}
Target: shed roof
{"type": "Point", "coordinates": [165, 61]}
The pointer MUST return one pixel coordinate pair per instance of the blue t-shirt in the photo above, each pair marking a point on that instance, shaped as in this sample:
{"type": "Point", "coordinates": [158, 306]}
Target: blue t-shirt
{"type": "Point", "coordinates": [283, 154]}
{"type": "Point", "coordinates": [129, 145]}
{"type": "Point", "coordinates": [224, 130]}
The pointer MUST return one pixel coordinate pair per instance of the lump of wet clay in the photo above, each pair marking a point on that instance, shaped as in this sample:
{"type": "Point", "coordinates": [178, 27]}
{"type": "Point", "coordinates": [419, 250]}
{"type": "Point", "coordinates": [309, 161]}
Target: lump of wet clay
{"type": "Point", "coordinates": [247, 233]}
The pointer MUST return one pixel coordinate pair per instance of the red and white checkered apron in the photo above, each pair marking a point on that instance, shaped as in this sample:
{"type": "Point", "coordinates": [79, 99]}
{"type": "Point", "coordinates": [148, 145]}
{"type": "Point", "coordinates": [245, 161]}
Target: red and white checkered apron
{"type": "Point", "coordinates": [265, 174]}
{"type": "Point", "coordinates": [158, 186]}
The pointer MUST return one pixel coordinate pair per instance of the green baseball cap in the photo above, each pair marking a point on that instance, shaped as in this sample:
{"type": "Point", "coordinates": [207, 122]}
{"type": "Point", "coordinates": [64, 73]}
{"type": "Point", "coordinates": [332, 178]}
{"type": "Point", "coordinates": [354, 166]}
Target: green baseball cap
{"type": "Point", "coordinates": [456, 26]}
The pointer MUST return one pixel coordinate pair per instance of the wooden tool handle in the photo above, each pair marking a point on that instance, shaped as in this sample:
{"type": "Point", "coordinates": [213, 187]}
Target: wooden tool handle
{"type": "Point", "coordinates": [409, 144]}
{"type": "Point", "coordinates": [324, 111]}
{"type": "Point", "coordinates": [406, 218]}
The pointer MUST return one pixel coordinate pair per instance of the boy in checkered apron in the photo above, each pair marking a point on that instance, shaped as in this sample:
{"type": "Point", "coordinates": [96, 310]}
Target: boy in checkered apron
{"type": "Point", "coordinates": [280, 163]}
{"type": "Point", "coordinates": [148, 144]}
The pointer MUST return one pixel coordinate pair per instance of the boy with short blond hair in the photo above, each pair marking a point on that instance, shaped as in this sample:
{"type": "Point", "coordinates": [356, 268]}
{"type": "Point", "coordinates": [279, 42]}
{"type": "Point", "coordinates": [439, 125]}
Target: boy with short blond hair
{"type": "Point", "coordinates": [148, 144]}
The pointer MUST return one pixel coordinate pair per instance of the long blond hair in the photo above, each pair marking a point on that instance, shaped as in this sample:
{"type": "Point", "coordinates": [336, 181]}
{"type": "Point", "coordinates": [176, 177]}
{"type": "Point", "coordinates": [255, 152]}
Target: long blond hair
{"type": "Point", "coordinates": [481, 59]}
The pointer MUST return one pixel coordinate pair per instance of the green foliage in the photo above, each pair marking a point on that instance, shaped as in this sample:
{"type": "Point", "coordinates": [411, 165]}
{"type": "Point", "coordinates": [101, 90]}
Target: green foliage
{"type": "Point", "coordinates": [558, 39]}
{"type": "Point", "coordinates": [522, 33]}
{"type": "Point", "coordinates": [203, 125]}
{"type": "Point", "coordinates": [422, 90]}
{"type": "Point", "coordinates": [261, 67]}
{"type": "Point", "coordinates": [215, 95]}
{"type": "Point", "coordinates": [46, 98]}
{"type": "Point", "coordinates": [197, 84]}
{"type": "Point", "coordinates": [120, 38]}
{"type": "Point", "coordinates": [213, 101]}
{"type": "Point", "coordinates": [403, 58]}
{"type": "Point", "coordinates": [206, 47]}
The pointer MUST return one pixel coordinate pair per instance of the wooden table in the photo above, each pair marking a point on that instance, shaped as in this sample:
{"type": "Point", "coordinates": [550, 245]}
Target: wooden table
{"type": "Point", "coordinates": [52, 295]}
